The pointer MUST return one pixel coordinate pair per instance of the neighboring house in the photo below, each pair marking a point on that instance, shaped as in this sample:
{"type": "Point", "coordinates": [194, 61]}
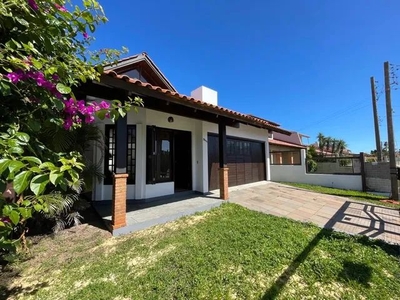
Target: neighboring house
{"type": "Point", "coordinates": [175, 142]}
{"type": "Point", "coordinates": [285, 149]}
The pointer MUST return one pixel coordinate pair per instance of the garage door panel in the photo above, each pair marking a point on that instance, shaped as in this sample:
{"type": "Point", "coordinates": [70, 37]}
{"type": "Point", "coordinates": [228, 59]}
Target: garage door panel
{"type": "Point", "coordinates": [245, 160]}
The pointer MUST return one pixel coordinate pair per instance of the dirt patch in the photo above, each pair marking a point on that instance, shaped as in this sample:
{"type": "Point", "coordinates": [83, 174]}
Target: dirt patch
{"type": "Point", "coordinates": [20, 278]}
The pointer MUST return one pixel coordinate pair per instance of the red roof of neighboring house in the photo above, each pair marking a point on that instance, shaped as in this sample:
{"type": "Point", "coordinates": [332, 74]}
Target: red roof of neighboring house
{"type": "Point", "coordinates": [282, 143]}
{"type": "Point", "coordinates": [218, 109]}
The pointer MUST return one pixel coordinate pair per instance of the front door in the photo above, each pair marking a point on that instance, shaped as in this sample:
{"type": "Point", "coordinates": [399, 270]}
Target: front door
{"type": "Point", "coordinates": [169, 157]}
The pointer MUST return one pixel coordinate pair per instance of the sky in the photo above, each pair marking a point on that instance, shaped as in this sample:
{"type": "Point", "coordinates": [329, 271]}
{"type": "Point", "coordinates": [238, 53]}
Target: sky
{"type": "Point", "coordinates": [305, 64]}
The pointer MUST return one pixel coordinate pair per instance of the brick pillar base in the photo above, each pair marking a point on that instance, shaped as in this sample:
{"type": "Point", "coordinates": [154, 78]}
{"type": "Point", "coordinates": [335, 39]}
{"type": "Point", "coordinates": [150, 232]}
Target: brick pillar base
{"type": "Point", "coordinates": [119, 201]}
{"type": "Point", "coordinates": [223, 183]}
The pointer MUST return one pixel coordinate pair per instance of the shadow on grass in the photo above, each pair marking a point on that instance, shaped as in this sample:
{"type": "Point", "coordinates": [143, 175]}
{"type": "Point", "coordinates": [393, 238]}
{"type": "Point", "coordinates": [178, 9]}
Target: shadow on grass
{"type": "Point", "coordinates": [351, 271]}
{"type": "Point", "coordinates": [358, 272]}
{"type": "Point", "coordinates": [16, 292]}
{"type": "Point", "coordinates": [283, 279]}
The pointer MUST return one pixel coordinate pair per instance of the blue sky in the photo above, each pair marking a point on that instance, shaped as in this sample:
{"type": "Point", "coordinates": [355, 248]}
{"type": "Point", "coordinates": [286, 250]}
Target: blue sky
{"type": "Point", "coordinates": [304, 64]}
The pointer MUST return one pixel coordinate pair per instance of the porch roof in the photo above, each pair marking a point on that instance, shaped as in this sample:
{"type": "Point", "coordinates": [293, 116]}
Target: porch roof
{"type": "Point", "coordinates": [166, 94]}
{"type": "Point", "coordinates": [287, 144]}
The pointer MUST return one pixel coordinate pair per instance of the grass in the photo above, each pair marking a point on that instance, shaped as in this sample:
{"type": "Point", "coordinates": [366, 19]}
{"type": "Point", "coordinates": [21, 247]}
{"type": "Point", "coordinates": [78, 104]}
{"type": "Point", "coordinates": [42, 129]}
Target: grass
{"type": "Point", "coordinates": [227, 253]}
{"type": "Point", "coordinates": [356, 195]}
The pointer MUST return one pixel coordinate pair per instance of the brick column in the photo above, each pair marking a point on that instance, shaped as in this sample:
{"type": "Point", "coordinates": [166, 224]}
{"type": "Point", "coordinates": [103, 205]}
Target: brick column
{"type": "Point", "coordinates": [223, 183]}
{"type": "Point", "coordinates": [119, 201]}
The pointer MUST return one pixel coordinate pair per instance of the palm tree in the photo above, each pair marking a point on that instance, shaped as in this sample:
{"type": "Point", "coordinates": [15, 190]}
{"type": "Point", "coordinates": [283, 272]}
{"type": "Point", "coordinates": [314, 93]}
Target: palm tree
{"type": "Point", "coordinates": [341, 146]}
{"type": "Point", "coordinates": [64, 207]}
{"type": "Point", "coordinates": [334, 145]}
{"type": "Point", "coordinates": [321, 141]}
{"type": "Point", "coordinates": [328, 142]}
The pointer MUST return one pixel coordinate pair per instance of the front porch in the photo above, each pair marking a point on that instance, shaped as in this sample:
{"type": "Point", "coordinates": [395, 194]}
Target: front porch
{"type": "Point", "coordinates": [141, 215]}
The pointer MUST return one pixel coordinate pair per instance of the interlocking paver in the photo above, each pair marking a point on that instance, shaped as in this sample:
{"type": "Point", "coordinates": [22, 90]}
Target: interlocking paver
{"type": "Point", "coordinates": [328, 211]}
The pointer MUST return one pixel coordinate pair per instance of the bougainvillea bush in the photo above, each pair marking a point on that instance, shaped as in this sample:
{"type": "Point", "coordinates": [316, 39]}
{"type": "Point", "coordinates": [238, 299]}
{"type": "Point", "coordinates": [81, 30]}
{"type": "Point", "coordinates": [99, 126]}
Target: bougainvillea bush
{"type": "Point", "coordinates": [43, 56]}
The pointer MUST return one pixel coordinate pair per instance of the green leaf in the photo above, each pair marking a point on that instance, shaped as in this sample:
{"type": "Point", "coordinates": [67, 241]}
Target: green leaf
{"type": "Point", "coordinates": [14, 217]}
{"type": "Point", "coordinates": [34, 125]}
{"type": "Point", "coordinates": [38, 183]}
{"type": "Point", "coordinates": [23, 137]}
{"type": "Point", "coordinates": [101, 114]}
{"type": "Point", "coordinates": [63, 89]}
{"type": "Point", "coordinates": [15, 166]}
{"type": "Point", "coordinates": [32, 159]}
{"type": "Point", "coordinates": [26, 203]}
{"type": "Point", "coordinates": [58, 104]}
{"type": "Point", "coordinates": [48, 165]}
{"type": "Point", "coordinates": [55, 177]}
{"type": "Point", "coordinates": [16, 44]}
{"type": "Point", "coordinates": [74, 175]}
{"type": "Point", "coordinates": [38, 207]}
{"type": "Point", "coordinates": [16, 150]}
{"type": "Point", "coordinates": [22, 21]}
{"type": "Point", "coordinates": [5, 88]}
{"type": "Point", "coordinates": [51, 70]}
{"type": "Point", "coordinates": [4, 162]}
{"type": "Point", "coordinates": [65, 168]}
{"type": "Point", "coordinates": [121, 112]}
{"type": "Point", "coordinates": [37, 64]}
{"type": "Point", "coordinates": [35, 170]}
{"type": "Point", "coordinates": [25, 212]}
{"type": "Point", "coordinates": [92, 28]}
{"type": "Point", "coordinates": [21, 181]}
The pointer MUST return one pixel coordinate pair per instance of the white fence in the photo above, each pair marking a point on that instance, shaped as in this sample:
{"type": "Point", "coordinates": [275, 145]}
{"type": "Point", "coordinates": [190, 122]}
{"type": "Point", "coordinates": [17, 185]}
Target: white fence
{"type": "Point", "coordinates": [297, 173]}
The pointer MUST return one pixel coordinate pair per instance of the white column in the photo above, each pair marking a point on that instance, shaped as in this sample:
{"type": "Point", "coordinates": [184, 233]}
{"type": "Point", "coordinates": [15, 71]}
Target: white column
{"type": "Point", "coordinates": [204, 144]}
{"type": "Point", "coordinates": [140, 171]}
{"type": "Point", "coordinates": [303, 159]}
{"type": "Point", "coordinates": [267, 161]}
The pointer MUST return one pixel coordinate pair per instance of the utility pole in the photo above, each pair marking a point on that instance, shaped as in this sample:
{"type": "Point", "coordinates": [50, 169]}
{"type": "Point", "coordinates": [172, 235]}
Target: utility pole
{"type": "Point", "coordinates": [392, 150]}
{"type": "Point", "coordinates": [376, 121]}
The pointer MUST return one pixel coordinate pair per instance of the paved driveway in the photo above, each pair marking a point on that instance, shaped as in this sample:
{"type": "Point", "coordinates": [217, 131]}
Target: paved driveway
{"type": "Point", "coordinates": [338, 213]}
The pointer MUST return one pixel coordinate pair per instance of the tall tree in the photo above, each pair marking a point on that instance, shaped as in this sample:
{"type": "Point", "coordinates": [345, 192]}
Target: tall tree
{"type": "Point", "coordinates": [341, 146]}
{"type": "Point", "coordinates": [328, 142]}
{"type": "Point", "coordinates": [321, 141]}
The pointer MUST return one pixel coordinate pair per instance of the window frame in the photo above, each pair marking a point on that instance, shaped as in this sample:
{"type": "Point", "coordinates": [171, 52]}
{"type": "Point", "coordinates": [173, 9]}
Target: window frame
{"type": "Point", "coordinates": [131, 131]}
{"type": "Point", "coordinates": [272, 162]}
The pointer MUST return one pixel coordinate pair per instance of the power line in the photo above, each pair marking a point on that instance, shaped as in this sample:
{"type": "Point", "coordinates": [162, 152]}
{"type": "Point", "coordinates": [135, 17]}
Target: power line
{"type": "Point", "coordinates": [354, 107]}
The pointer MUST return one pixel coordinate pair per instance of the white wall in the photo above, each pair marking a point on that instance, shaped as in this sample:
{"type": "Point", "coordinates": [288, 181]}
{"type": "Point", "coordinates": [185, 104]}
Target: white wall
{"type": "Point", "coordinates": [159, 189]}
{"type": "Point", "coordinates": [287, 173]}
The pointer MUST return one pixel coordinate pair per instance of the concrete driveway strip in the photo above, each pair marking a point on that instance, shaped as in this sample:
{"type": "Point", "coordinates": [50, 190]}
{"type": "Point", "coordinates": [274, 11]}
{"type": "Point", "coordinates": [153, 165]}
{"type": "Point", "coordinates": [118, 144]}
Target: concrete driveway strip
{"type": "Point", "coordinates": [327, 211]}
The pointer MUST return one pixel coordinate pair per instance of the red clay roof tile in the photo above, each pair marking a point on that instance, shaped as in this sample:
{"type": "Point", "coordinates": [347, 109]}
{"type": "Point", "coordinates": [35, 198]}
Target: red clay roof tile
{"type": "Point", "coordinates": [167, 92]}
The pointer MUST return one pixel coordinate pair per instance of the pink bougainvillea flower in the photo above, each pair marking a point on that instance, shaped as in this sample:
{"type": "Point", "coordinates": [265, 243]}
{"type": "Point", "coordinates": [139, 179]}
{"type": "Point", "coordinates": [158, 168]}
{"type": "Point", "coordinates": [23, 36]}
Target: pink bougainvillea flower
{"type": "Point", "coordinates": [33, 4]}
{"type": "Point", "coordinates": [70, 107]}
{"type": "Point", "coordinates": [104, 105]}
{"type": "Point", "coordinates": [89, 119]}
{"type": "Point", "coordinates": [90, 109]}
{"type": "Point", "coordinates": [85, 35]}
{"type": "Point", "coordinates": [67, 123]}
{"type": "Point", "coordinates": [15, 77]}
{"type": "Point", "coordinates": [60, 8]}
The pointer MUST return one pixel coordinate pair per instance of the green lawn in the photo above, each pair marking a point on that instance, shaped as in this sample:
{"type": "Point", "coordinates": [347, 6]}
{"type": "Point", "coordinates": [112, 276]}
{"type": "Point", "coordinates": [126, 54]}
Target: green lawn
{"type": "Point", "coordinates": [356, 195]}
{"type": "Point", "coordinates": [227, 253]}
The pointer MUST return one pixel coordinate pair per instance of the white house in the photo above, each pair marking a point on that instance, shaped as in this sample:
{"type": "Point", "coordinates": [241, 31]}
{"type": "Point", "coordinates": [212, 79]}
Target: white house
{"type": "Point", "coordinates": [175, 142]}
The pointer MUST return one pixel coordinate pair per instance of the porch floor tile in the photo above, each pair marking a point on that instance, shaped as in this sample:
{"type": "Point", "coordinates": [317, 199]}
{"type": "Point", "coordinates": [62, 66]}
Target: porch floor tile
{"type": "Point", "coordinates": [141, 215]}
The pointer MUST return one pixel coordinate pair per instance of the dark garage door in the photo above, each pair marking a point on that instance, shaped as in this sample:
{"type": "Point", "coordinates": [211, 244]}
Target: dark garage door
{"type": "Point", "coordinates": [246, 161]}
